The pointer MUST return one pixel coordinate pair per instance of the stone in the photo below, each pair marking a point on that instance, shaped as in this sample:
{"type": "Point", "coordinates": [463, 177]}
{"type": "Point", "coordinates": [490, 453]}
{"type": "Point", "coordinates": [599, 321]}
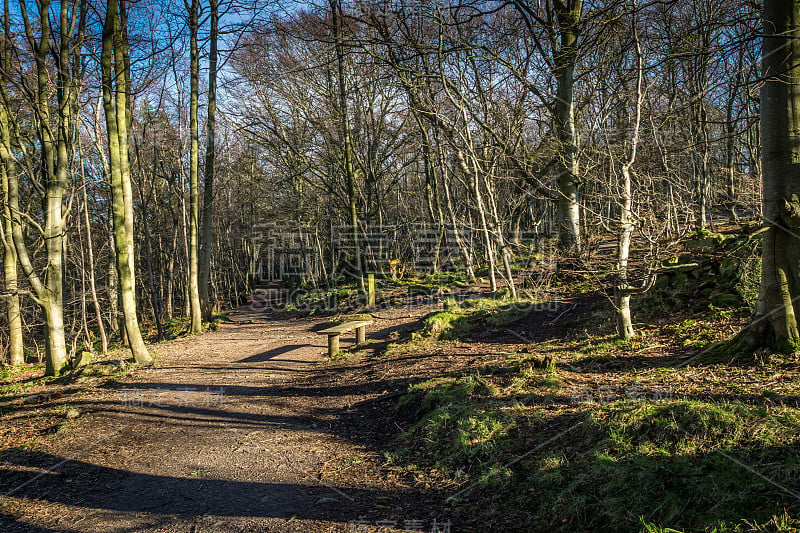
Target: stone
{"type": "Point", "coordinates": [84, 359]}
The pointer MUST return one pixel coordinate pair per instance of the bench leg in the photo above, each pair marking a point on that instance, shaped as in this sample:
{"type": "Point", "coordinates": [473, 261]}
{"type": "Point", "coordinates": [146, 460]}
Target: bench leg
{"type": "Point", "coordinates": [361, 335]}
{"type": "Point", "coordinates": [333, 345]}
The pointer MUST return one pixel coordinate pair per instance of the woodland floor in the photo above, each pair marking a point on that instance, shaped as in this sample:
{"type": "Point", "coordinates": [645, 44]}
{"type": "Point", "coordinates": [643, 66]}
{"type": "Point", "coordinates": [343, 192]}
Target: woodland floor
{"type": "Point", "coordinates": [246, 428]}
{"type": "Point", "coordinates": [252, 428]}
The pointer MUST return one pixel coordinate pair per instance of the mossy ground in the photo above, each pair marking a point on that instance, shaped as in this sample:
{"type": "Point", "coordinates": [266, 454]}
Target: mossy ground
{"type": "Point", "coordinates": [580, 431]}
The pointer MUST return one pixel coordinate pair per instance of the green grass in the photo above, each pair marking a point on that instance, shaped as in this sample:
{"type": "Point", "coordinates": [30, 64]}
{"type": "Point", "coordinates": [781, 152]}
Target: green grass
{"type": "Point", "coordinates": [8, 372]}
{"type": "Point", "coordinates": [443, 392]}
{"type": "Point", "coordinates": [461, 320]}
{"type": "Point", "coordinates": [518, 453]}
{"type": "Point", "coordinates": [177, 327]}
{"type": "Point", "coordinates": [694, 333]}
{"type": "Point", "coordinates": [552, 382]}
{"type": "Point", "coordinates": [778, 523]}
{"type": "Point", "coordinates": [686, 465]}
{"type": "Point", "coordinates": [602, 345]}
{"type": "Point", "coordinates": [447, 325]}
{"type": "Point", "coordinates": [460, 423]}
{"type": "Point", "coordinates": [15, 388]}
{"type": "Point", "coordinates": [23, 446]}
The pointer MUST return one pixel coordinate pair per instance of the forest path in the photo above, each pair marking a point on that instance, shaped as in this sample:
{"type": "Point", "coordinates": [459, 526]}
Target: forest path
{"type": "Point", "coordinates": [246, 428]}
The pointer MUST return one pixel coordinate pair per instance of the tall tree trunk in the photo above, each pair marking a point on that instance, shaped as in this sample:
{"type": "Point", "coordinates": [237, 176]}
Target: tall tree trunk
{"type": "Point", "coordinates": [207, 238]}
{"type": "Point", "coordinates": [13, 309]}
{"type": "Point", "coordinates": [700, 166]}
{"type": "Point", "coordinates": [463, 246]}
{"type": "Point", "coordinates": [115, 103]}
{"type": "Point", "coordinates": [622, 292]}
{"type": "Point", "coordinates": [622, 288]}
{"type": "Point", "coordinates": [54, 138]}
{"type": "Point", "coordinates": [499, 237]}
{"type": "Point", "coordinates": [124, 121]}
{"type": "Point", "coordinates": [774, 323]}
{"type": "Point", "coordinates": [49, 293]}
{"type": "Point", "coordinates": [568, 14]}
{"type": "Point", "coordinates": [348, 162]}
{"type": "Point", "coordinates": [195, 309]}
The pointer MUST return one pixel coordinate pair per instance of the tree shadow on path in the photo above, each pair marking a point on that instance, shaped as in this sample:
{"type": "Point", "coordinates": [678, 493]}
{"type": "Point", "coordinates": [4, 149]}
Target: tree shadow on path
{"type": "Point", "coordinates": [90, 487]}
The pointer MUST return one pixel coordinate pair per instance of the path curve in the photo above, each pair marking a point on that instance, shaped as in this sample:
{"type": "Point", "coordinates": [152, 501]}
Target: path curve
{"type": "Point", "coordinates": [245, 428]}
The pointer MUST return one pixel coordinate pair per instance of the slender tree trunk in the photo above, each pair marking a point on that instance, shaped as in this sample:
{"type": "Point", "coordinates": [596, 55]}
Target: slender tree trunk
{"type": "Point", "coordinates": [207, 240]}
{"type": "Point", "coordinates": [49, 294]}
{"type": "Point", "coordinates": [499, 237]}
{"type": "Point", "coordinates": [700, 164]}
{"type": "Point", "coordinates": [195, 309]}
{"type": "Point", "coordinates": [169, 304]}
{"type": "Point", "coordinates": [84, 315]}
{"type": "Point", "coordinates": [730, 142]}
{"type": "Point", "coordinates": [115, 103]}
{"type": "Point", "coordinates": [459, 238]}
{"type": "Point", "coordinates": [124, 105]}
{"type": "Point", "coordinates": [90, 253]}
{"type": "Point", "coordinates": [347, 156]}
{"type": "Point", "coordinates": [116, 323]}
{"type": "Point", "coordinates": [54, 136]}
{"type": "Point", "coordinates": [184, 287]}
{"type": "Point", "coordinates": [155, 294]}
{"type": "Point", "coordinates": [472, 174]}
{"type": "Point", "coordinates": [622, 289]}
{"type": "Point", "coordinates": [622, 294]}
{"type": "Point", "coordinates": [12, 300]}
{"type": "Point", "coordinates": [16, 353]}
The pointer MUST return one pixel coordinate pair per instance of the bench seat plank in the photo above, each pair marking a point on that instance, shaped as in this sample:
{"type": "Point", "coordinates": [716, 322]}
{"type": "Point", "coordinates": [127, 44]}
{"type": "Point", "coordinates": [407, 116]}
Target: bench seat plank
{"type": "Point", "coordinates": [333, 334]}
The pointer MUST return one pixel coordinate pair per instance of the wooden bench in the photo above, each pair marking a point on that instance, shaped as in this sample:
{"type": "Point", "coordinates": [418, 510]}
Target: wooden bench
{"type": "Point", "coordinates": [333, 334]}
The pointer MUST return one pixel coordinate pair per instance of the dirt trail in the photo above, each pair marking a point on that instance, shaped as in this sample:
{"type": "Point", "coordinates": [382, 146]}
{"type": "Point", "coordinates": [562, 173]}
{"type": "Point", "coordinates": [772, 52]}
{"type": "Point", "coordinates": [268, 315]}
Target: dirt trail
{"type": "Point", "coordinates": [240, 429]}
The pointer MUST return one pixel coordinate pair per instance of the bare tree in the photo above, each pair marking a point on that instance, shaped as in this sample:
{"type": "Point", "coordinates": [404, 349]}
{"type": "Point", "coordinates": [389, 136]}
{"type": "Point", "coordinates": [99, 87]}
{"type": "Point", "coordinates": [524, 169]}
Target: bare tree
{"type": "Point", "coordinates": [115, 76]}
{"type": "Point", "coordinates": [16, 353]}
